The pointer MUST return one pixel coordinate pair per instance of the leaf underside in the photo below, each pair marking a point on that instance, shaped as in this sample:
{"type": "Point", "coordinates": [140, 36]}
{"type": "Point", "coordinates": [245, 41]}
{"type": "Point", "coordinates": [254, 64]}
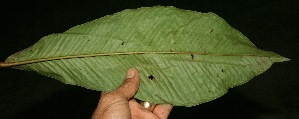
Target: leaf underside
{"type": "Point", "coordinates": [184, 58]}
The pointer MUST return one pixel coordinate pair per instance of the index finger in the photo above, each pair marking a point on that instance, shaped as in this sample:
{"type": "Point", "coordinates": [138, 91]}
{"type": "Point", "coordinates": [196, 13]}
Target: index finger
{"type": "Point", "coordinates": [163, 110]}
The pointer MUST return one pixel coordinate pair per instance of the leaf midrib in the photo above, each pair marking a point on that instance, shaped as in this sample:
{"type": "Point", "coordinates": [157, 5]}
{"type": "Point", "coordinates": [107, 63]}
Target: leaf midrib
{"type": "Point", "coordinates": [11, 64]}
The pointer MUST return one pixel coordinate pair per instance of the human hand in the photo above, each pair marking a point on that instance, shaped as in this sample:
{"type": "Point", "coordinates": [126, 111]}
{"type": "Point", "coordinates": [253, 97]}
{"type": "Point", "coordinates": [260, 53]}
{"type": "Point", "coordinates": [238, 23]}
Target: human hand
{"type": "Point", "coordinates": [119, 103]}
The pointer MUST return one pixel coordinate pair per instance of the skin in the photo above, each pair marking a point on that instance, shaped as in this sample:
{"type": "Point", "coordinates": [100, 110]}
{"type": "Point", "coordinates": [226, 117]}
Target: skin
{"type": "Point", "coordinates": [119, 103]}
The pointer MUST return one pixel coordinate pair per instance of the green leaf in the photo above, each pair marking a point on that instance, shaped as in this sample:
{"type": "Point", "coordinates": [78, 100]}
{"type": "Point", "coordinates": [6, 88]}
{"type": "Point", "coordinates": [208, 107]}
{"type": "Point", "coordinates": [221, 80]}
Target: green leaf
{"type": "Point", "coordinates": [185, 58]}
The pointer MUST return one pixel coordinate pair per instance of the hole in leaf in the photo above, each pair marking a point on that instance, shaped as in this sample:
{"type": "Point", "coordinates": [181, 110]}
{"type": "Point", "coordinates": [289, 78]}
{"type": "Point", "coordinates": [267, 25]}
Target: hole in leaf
{"type": "Point", "coordinates": [192, 56]}
{"type": "Point", "coordinates": [151, 77]}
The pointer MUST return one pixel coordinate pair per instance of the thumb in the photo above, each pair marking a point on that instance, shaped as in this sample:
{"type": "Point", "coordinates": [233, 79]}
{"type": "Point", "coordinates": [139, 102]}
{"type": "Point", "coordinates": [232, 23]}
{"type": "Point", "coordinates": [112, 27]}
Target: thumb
{"type": "Point", "coordinates": [130, 86]}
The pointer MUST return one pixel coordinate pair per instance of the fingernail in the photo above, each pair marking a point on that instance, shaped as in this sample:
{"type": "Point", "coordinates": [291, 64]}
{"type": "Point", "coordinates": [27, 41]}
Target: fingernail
{"type": "Point", "coordinates": [130, 73]}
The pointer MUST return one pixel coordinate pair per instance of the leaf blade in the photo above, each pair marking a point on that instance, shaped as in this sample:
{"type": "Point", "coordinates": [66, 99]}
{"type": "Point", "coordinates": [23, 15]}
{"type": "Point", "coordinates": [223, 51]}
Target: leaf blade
{"type": "Point", "coordinates": [194, 57]}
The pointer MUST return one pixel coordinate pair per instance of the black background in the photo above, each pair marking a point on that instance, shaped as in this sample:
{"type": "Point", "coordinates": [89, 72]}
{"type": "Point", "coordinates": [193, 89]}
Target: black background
{"type": "Point", "coordinates": [270, 24]}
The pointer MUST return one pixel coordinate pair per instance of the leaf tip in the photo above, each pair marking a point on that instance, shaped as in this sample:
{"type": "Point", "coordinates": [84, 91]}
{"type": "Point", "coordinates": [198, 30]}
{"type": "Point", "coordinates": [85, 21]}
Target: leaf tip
{"type": "Point", "coordinates": [286, 59]}
{"type": "Point", "coordinates": [279, 59]}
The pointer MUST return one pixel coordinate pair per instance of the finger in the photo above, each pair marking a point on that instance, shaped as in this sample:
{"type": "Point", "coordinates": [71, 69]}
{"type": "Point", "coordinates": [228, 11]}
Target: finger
{"type": "Point", "coordinates": [103, 94]}
{"type": "Point", "coordinates": [130, 86]}
{"type": "Point", "coordinates": [134, 105]}
{"type": "Point", "coordinates": [139, 111]}
{"type": "Point", "coordinates": [163, 110]}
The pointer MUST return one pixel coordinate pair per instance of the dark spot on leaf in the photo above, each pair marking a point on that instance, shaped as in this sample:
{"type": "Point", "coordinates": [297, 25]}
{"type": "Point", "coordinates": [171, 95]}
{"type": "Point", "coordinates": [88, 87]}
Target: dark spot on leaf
{"type": "Point", "coordinates": [171, 50]}
{"type": "Point", "coordinates": [209, 91]}
{"type": "Point", "coordinates": [211, 30]}
{"type": "Point", "coordinates": [205, 51]}
{"type": "Point", "coordinates": [192, 56]}
{"type": "Point", "coordinates": [122, 43]}
{"type": "Point", "coordinates": [151, 77]}
{"type": "Point", "coordinates": [222, 70]}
